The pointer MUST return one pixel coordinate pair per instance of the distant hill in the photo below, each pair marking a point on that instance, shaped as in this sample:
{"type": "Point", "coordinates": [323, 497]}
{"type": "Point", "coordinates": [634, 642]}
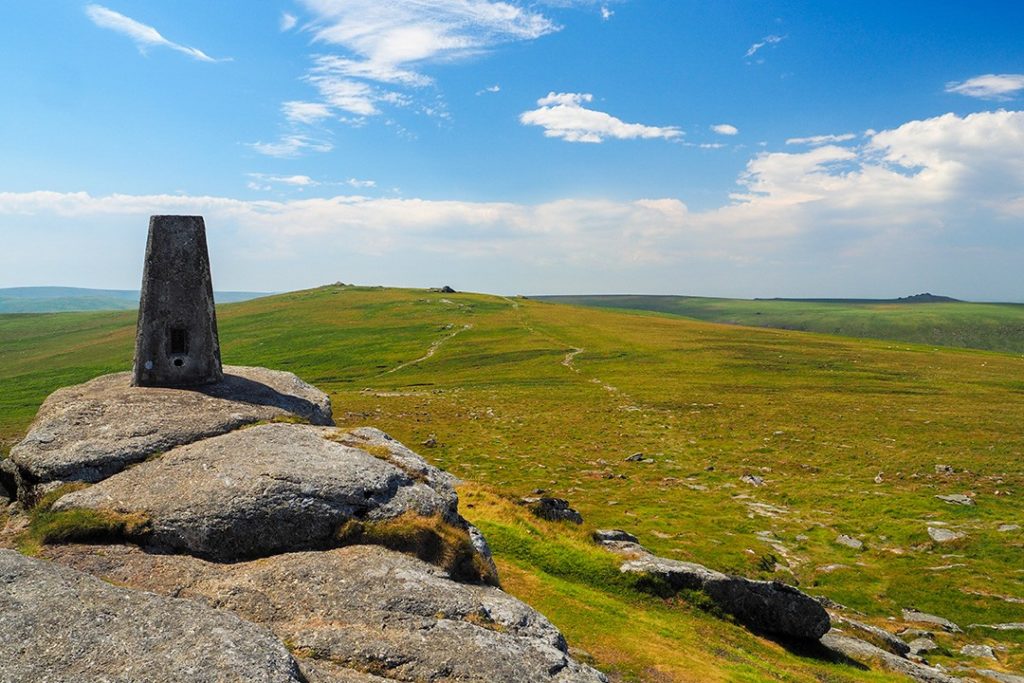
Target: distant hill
{"type": "Point", "coordinates": [62, 299]}
{"type": "Point", "coordinates": [925, 298]}
{"type": "Point", "coordinates": [921, 319]}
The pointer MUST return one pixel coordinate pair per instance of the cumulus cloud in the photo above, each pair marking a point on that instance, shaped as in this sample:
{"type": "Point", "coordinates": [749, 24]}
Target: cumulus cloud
{"type": "Point", "coordinates": [937, 183]}
{"type": "Point", "coordinates": [816, 140]}
{"type": "Point", "coordinates": [562, 115]}
{"type": "Point", "coordinates": [725, 129]}
{"type": "Point", "coordinates": [143, 36]}
{"type": "Point", "coordinates": [989, 86]}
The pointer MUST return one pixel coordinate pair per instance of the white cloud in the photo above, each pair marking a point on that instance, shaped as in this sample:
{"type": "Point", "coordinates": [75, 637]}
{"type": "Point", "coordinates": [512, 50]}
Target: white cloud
{"type": "Point", "coordinates": [815, 140]}
{"type": "Point", "coordinates": [767, 40]}
{"type": "Point", "coordinates": [562, 115]}
{"type": "Point", "coordinates": [142, 35]}
{"type": "Point", "coordinates": [356, 182]}
{"type": "Point", "coordinates": [947, 183]}
{"type": "Point", "coordinates": [989, 86]}
{"type": "Point", "coordinates": [606, 13]}
{"type": "Point", "coordinates": [489, 89]}
{"type": "Point", "coordinates": [290, 146]}
{"type": "Point", "coordinates": [288, 21]}
{"type": "Point", "coordinates": [725, 129]}
{"type": "Point", "coordinates": [305, 112]}
{"type": "Point", "coordinates": [712, 145]}
{"type": "Point", "coordinates": [293, 180]}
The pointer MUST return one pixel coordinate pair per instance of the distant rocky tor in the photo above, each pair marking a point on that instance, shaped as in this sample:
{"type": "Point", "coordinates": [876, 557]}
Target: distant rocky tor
{"type": "Point", "coordinates": [230, 533]}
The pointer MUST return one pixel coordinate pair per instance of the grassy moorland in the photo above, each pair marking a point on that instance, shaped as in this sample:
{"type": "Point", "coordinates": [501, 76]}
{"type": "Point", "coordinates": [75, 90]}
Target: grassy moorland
{"type": "Point", "coordinates": [993, 327]}
{"type": "Point", "coordinates": [524, 395]}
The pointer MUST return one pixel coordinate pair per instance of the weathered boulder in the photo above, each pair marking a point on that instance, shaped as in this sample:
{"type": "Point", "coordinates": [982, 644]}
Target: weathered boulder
{"type": "Point", "coordinates": [360, 608]}
{"type": "Point", "coordinates": [849, 542]}
{"type": "Point", "coordinates": [921, 646]}
{"type": "Point", "coordinates": [915, 617]}
{"type": "Point", "coordinates": [957, 499]}
{"type": "Point", "coordinates": [62, 626]}
{"type": "Point", "coordinates": [979, 651]}
{"type": "Point", "coordinates": [272, 488]}
{"type": "Point", "coordinates": [940, 535]}
{"type": "Point", "coordinates": [766, 606]}
{"type": "Point", "coordinates": [91, 431]}
{"type": "Point", "coordinates": [552, 509]}
{"type": "Point", "coordinates": [603, 536]}
{"type": "Point", "coordinates": [870, 655]}
{"type": "Point", "coordinates": [872, 634]}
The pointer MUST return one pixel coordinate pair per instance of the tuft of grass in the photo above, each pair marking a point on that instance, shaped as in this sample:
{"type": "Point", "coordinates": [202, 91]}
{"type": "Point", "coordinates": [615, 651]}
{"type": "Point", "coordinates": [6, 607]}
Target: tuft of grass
{"type": "Point", "coordinates": [47, 526]}
{"type": "Point", "coordinates": [431, 539]}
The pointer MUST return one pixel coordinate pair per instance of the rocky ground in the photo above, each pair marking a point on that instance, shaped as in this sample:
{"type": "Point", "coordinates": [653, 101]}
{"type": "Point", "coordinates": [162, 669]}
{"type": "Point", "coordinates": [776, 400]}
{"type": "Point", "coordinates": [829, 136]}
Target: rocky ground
{"type": "Point", "coordinates": [234, 535]}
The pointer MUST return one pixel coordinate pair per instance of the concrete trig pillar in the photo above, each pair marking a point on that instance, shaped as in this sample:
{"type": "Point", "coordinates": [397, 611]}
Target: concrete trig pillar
{"type": "Point", "coordinates": [176, 343]}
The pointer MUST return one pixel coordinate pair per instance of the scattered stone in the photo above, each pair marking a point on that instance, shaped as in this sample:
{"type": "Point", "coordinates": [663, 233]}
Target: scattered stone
{"type": "Point", "coordinates": [553, 509]}
{"type": "Point", "coordinates": [873, 634]}
{"type": "Point", "coordinates": [957, 499]}
{"type": "Point", "coordinates": [1006, 528]}
{"type": "Point", "coordinates": [273, 488]}
{"type": "Point", "coordinates": [430, 442]}
{"type": "Point", "coordinates": [94, 430]}
{"type": "Point", "coordinates": [602, 536]}
{"type": "Point", "coordinates": [920, 646]}
{"type": "Point", "coordinates": [444, 290]}
{"type": "Point", "coordinates": [62, 625]}
{"type": "Point", "coordinates": [940, 535]}
{"type": "Point", "coordinates": [1000, 676]}
{"type": "Point", "coordinates": [752, 479]}
{"type": "Point", "coordinates": [636, 457]}
{"type": "Point", "coordinates": [879, 478]}
{"type": "Point", "coordinates": [943, 469]}
{"type": "Point", "coordinates": [979, 651]}
{"type": "Point", "coordinates": [915, 617]}
{"type": "Point", "coordinates": [866, 653]}
{"type": "Point", "coordinates": [1013, 626]}
{"type": "Point", "coordinates": [829, 568]}
{"type": "Point", "coordinates": [766, 606]}
{"type": "Point", "coordinates": [360, 608]}
{"type": "Point", "coordinates": [849, 542]}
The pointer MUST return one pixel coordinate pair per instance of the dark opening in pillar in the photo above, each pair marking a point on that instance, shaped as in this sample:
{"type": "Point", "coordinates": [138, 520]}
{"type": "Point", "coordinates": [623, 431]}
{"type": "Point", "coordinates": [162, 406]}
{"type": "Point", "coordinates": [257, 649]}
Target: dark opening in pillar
{"type": "Point", "coordinates": [179, 341]}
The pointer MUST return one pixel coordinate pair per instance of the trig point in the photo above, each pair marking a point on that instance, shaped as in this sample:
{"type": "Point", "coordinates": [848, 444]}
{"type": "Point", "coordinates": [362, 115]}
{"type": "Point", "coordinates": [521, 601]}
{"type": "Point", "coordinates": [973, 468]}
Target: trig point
{"type": "Point", "coordinates": [176, 342]}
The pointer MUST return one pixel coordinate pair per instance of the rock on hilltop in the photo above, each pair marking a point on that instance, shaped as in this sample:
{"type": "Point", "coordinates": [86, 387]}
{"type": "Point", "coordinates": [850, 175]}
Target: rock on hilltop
{"type": "Point", "coordinates": [88, 432]}
{"type": "Point", "coordinates": [345, 546]}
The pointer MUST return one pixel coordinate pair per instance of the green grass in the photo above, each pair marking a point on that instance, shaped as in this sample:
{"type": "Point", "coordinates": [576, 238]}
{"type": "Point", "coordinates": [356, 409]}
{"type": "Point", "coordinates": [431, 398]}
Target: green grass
{"type": "Point", "coordinates": [993, 327]}
{"type": "Point", "coordinates": [817, 417]}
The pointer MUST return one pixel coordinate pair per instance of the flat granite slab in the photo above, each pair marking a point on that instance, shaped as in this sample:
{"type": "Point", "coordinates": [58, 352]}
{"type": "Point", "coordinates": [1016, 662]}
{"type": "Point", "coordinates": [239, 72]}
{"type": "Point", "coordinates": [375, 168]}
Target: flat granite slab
{"type": "Point", "coordinates": [64, 626]}
{"type": "Point", "coordinates": [271, 489]}
{"type": "Point", "coordinates": [88, 432]}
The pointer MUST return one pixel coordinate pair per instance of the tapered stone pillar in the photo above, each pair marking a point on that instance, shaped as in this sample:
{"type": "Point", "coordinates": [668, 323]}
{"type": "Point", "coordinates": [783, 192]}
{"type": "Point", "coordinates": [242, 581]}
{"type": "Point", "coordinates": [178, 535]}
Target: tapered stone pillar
{"type": "Point", "coordinates": [176, 342]}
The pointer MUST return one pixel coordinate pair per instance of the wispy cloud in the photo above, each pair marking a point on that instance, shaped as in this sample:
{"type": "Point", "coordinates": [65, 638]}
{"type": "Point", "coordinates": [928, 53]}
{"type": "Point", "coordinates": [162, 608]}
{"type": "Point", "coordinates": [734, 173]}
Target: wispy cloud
{"type": "Point", "coordinates": [489, 89]}
{"type": "Point", "coordinates": [606, 13]}
{"type": "Point", "coordinates": [305, 112]}
{"type": "Point", "coordinates": [143, 36]}
{"type": "Point", "coordinates": [290, 146]}
{"type": "Point", "coordinates": [816, 140]}
{"type": "Point", "coordinates": [373, 57]}
{"type": "Point", "coordinates": [266, 181]}
{"type": "Point", "coordinates": [562, 115]}
{"type": "Point", "coordinates": [725, 129]}
{"type": "Point", "coordinates": [989, 86]}
{"type": "Point", "coordinates": [288, 21]}
{"type": "Point", "coordinates": [764, 42]}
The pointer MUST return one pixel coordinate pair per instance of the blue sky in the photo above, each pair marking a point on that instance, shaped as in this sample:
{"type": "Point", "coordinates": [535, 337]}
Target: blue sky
{"type": "Point", "coordinates": [662, 146]}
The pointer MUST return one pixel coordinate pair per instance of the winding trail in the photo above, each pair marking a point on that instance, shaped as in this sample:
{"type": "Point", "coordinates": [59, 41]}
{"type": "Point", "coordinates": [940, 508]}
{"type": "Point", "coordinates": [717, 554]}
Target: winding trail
{"type": "Point", "coordinates": [430, 352]}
